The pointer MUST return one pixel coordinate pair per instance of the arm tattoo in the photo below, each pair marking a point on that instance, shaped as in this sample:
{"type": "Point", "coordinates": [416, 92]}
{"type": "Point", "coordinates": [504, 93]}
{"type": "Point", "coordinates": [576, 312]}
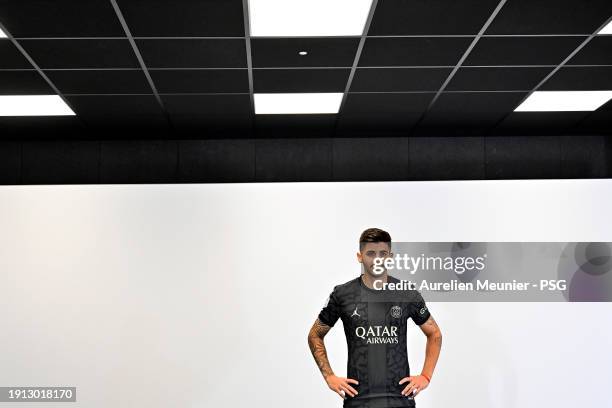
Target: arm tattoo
{"type": "Point", "coordinates": [433, 346]}
{"type": "Point", "coordinates": [431, 324]}
{"type": "Point", "coordinates": [317, 347]}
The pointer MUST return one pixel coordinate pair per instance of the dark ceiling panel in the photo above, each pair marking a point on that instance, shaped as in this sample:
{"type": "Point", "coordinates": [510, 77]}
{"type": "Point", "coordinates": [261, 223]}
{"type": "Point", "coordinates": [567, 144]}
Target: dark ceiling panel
{"type": "Point", "coordinates": [119, 110]}
{"type": "Point", "coordinates": [322, 52]}
{"type": "Point", "coordinates": [497, 79]}
{"type": "Point", "coordinates": [11, 57]}
{"type": "Point", "coordinates": [201, 81]}
{"type": "Point", "coordinates": [539, 123]}
{"type": "Point", "coordinates": [193, 53]}
{"type": "Point", "coordinates": [426, 17]}
{"type": "Point", "coordinates": [288, 122]}
{"type": "Point", "coordinates": [185, 18]}
{"type": "Point", "coordinates": [43, 127]}
{"type": "Point", "coordinates": [477, 102]}
{"type": "Point", "coordinates": [399, 79]}
{"type": "Point", "coordinates": [383, 103]}
{"type": "Point", "coordinates": [580, 79]}
{"type": "Point", "coordinates": [300, 80]}
{"type": "Point", "coordinates": [383, 111]}
{"type": "Point", "coordinates": [209, 111]}
{"type": "Point", "coordinates": [598, 51]}
{"type": "Point", "coordinates": [597, 122]}
{"type": "Point", "coordinates": [122, 125]}
{"type": "Point", "coordinates": [100, 82]}
{"type": "Point", "coordinates": [408, 51]}
{"type": "Point", "coordinates": [470, 110]}
{"type": "Point", "coordinates": [114, 105]}
{"type": "Point", "coordinates": [208, 105]}
{"type": "Point", "coordinates": [60, 18]}
{"type": "Point", "coordinates": [551, 17]}
{"type": "Point", "coordinates": [522, 50]}
{"type": "Point", "coordinates": [90, 53]}
{"type": "Point", "coordinates": [23, 83]}
{"type": "Point", "coordinates": [295, 126]}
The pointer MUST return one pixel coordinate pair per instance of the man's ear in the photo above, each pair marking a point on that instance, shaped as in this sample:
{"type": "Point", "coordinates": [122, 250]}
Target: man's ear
{"type": "Point", "coordinates": [359, 257]}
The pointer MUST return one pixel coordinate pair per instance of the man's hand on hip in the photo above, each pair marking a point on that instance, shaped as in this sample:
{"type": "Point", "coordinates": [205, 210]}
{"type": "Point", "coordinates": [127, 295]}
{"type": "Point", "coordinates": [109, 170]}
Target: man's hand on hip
{"type": "Point", "coordinates": [341, 385]}
{"type": "Point", "coordinates": [416, 384]}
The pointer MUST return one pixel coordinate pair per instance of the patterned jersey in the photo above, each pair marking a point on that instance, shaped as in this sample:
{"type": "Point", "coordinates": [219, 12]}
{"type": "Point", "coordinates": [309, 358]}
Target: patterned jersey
{"type": "Point", "coordinates": [375, 325]}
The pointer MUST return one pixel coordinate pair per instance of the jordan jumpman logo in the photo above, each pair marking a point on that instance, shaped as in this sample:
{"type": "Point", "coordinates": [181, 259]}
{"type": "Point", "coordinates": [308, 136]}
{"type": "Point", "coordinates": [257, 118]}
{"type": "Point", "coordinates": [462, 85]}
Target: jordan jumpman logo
{"type": "Point", "coordinates": [355, 313]}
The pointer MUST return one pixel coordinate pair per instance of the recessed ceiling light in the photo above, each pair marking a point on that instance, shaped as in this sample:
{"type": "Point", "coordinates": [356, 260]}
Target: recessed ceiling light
{"type": "Point", "coordinates": [303, 53]}
{"type": "Point", "coordinates": [33, 105]}
{"type": "Point", "coordinates": [564, 101]}
{"type": "Point", "coordinates": [297, 103]}
{"type": "Point", "coordinates": [607, 29]}
{"type": "Point", "coordinates": [308, 18]}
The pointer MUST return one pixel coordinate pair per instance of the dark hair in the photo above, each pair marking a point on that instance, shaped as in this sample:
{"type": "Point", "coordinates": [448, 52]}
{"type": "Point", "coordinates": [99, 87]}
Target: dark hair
{"type": "Point", "coordinates": [374, 235]}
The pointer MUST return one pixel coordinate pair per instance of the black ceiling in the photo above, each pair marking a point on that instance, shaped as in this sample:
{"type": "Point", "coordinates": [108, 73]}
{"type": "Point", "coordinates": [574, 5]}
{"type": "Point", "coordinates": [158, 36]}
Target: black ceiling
{"type": "Point", "coordinates": [425, 67]}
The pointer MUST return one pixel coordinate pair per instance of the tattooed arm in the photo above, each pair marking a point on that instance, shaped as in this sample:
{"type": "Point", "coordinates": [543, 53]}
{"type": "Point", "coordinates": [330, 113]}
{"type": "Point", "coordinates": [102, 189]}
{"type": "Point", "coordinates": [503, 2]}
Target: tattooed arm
{"type": "Point", "coordinates": [418, 383]}
{"type": "Point", "coordinates": [337, 384]}
{"type": "Point", "coordinates": [317, 347]}
{"type": "Point", "coordinates": [434, 344]}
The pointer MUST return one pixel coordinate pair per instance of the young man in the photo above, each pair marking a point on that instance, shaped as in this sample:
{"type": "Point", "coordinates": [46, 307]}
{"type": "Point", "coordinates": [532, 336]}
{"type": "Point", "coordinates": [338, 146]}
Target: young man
{"type": "Point", "coordinates": [375, 325]}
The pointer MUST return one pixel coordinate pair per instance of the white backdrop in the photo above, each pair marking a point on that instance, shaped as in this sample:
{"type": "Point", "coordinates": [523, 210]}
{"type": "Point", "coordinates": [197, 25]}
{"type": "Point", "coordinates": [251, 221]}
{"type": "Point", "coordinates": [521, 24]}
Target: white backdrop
{"type": "Point", "coordinates": [202, 295]}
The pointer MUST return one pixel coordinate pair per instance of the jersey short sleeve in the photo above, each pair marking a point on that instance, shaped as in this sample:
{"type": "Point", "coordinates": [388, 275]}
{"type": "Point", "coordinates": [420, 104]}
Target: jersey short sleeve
{"type": "Point", "coordinates": [330, 313]}
{"type": "Point", "coordinates": [418, 309]}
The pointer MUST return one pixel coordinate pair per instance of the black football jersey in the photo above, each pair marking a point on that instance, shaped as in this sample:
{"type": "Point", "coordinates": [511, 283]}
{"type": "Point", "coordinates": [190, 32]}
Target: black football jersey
{"type": "Point", "coordinates": [375, 325]}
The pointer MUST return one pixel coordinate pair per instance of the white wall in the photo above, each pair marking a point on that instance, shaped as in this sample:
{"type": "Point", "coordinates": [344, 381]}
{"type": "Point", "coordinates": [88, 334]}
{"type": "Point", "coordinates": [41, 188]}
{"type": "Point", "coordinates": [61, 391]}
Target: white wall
{"type": "Point", "coordinates": [202, 295]}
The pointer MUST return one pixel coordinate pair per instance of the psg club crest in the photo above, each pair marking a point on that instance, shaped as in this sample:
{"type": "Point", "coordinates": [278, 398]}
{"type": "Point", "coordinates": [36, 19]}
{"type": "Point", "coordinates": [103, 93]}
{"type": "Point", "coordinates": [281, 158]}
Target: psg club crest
{"type": "Point", "coordinates": [396, 311]}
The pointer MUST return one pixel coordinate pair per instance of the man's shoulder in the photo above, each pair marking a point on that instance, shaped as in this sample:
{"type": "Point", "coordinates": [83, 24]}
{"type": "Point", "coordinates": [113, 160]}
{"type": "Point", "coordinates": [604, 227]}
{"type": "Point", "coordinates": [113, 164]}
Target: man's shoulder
{"type": "Point", "coordinates": [346, 287]}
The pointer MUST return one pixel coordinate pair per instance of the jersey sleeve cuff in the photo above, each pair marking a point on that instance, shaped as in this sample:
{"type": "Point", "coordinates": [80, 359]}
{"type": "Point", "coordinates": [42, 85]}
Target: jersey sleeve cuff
{"type": "Point", "coordinates": [422, 319]}
{"type": "Point", "coordinates": [325, 321]}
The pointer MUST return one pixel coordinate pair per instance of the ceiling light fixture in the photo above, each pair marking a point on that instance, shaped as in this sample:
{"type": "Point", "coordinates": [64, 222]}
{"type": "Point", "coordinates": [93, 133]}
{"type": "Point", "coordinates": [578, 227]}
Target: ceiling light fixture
{"type": "Point", "coordinates": [311, 18]}
{"type": "Point", "coordinates": [34, 105]}
{"type": "Point", "coordinates": [297, 103]}
{"type": "Point", "coordinates": [564, 101]}
{"type": "Point", "coordinates": [302, 53]}
{"type": "Point", "coordinates": [607, 29]}
{"type": "Point", "coordinates": [3, 34]}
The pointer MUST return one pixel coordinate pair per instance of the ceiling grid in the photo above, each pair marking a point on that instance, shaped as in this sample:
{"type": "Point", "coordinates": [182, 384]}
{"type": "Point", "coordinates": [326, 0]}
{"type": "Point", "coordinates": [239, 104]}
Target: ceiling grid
{"type": "Point", "coordinates": [418, 67]}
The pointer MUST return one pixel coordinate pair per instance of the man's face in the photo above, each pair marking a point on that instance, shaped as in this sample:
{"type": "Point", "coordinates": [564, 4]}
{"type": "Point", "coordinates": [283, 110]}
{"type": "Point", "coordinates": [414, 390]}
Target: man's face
{"type": "Point", "coordinates": [370, 252]}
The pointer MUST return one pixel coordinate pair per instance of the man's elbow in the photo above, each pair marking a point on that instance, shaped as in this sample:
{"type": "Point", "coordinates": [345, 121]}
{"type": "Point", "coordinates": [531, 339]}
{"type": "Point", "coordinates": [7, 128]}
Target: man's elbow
{"type": "Point", "coordinates": [435, 335]}
{"type": "Point", "coordinates": [312, 337]}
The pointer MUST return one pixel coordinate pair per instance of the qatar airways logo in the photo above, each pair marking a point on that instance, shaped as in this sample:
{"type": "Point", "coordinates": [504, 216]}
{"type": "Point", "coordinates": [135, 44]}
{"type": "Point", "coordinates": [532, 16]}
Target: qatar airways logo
{"type": "Point", "coordinates": [377, 334]}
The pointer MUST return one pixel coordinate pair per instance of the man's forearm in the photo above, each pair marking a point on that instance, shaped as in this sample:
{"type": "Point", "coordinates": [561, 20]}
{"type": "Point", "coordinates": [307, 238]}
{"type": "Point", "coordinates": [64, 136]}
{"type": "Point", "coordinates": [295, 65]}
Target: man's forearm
{"type": "Point", "coordinates": [432, 350]}
{"type": "Point", "coordinates": [317, 347]}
